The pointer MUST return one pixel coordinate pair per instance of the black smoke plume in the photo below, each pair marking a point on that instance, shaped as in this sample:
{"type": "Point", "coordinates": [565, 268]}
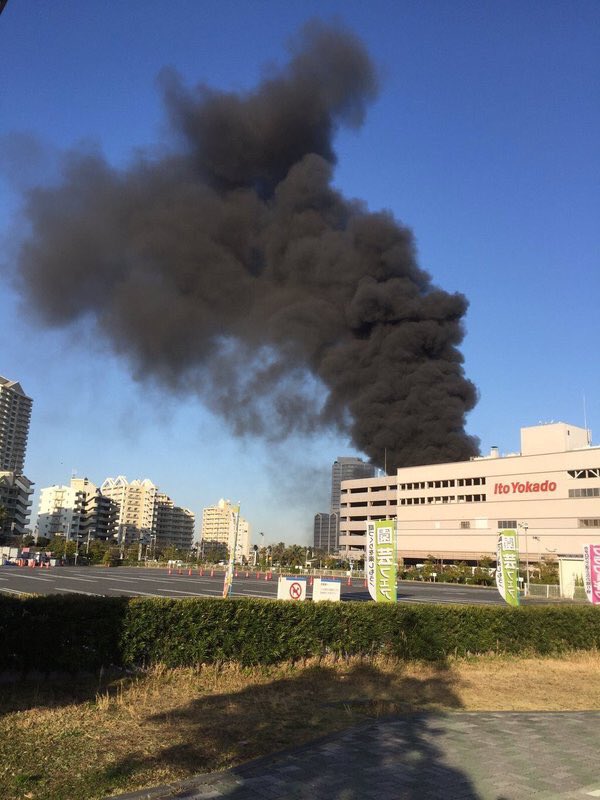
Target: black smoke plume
{"type": "Point", "coordinates": [230, 267]}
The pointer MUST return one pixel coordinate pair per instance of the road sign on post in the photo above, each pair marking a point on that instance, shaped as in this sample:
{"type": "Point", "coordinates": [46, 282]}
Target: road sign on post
{"type": "Point", "coordinates": [291, 588]}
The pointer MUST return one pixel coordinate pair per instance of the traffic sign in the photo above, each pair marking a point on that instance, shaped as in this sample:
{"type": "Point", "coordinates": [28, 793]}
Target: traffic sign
{"type": "Point", "coordinates": [291, 588]}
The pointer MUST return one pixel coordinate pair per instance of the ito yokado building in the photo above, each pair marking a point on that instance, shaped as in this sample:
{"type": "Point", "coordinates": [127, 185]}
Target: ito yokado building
{"type": "Point", "coordinates": [549, 492]}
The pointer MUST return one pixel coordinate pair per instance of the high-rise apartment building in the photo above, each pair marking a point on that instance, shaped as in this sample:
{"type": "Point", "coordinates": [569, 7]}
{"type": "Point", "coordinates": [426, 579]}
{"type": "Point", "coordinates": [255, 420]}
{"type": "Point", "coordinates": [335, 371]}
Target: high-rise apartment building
{"type": "Point", "coordinates": [61, 510]}
{"type": "Point", "coordinates": [76, 512]}
{"type": "Point", "coordinates": [15, 501]}
{"type": "Point", "coordinates": [15, 488]}
{"type": "Point", "coordinates": [137, 508]}
{"type": "Point", "coordinates": [15, 415]}
{"type": "Point", "coordinates": [174, 525]}
{"type": "Point", "coordinates": [219, 531]}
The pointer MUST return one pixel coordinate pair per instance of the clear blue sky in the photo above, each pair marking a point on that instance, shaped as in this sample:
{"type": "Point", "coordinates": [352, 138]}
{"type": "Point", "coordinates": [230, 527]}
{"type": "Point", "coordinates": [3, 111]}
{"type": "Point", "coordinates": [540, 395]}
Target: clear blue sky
{"type": "Point", "coordinates": [485, 140]}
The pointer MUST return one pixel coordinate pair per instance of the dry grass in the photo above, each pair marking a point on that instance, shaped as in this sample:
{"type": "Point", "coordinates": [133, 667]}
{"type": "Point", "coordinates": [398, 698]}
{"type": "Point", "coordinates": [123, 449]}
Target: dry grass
{"type": "Point", "coordinates": [62, 740]}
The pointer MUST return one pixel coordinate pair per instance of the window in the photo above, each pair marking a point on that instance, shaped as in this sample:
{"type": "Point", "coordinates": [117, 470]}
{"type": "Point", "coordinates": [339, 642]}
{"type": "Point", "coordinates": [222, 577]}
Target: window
{"type": "Point", "coordinates": [504, 524]}
{"type": "Point", "coordinates": [595, 492]}
{"type": "Point", "coordinates": [464, 524]}
{"type": "Point", "coordinates": [585, 473]}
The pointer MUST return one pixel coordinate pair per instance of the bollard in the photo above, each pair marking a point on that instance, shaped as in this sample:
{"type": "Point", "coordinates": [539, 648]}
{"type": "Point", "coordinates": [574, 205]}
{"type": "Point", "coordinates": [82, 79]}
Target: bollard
{"type": "Point", "coordinates": [310, 581]}
{"type": "Point", "coordinates": [349, 582]}
{"type": "Point", "coordinates": [247, 574]}
{"type": "Point", "coordinates": [212, 573]}
{"type": "Point", "coordinates": [169, 571]}
{"type": "Point", "coordinates": [366, 585]}
{"type": "Point", "coordinates": [257, 575]}
{"type": "Point", "coordinates": [190, 572]}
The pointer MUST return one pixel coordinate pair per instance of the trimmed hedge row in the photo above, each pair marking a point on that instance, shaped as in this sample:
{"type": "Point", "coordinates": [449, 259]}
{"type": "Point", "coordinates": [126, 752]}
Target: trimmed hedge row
{"type": "Point", "coordinates": [84, 633]}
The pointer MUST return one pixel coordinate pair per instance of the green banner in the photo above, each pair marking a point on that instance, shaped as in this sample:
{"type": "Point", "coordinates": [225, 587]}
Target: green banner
{"type": "Point", "coordinates": [381, 560]}
{"type": "Point", "coordinates": [507, 569]}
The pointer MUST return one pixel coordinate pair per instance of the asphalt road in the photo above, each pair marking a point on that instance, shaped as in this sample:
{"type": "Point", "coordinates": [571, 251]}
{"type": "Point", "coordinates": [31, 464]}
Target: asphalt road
{"type": "Point", "coordinates": [100, 581]}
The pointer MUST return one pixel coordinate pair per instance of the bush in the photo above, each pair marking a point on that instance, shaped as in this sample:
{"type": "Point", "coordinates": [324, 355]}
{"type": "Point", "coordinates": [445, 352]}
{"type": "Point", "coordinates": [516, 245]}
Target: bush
{"type": "Point", "coordinates": [84, 633]}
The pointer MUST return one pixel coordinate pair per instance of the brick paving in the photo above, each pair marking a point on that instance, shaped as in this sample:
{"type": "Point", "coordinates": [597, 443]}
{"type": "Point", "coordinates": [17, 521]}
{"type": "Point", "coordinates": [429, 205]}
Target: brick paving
{"type": "Point", "coordinates": [455, 756]}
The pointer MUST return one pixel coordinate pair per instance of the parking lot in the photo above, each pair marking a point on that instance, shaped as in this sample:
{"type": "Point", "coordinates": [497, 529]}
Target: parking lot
{"type": "Point", "coordinates": [132, 581]}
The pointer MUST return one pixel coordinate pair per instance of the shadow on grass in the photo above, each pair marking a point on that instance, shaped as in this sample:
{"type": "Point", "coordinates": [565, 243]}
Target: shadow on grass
{"type": "Point", "coordinates": [39, 690]}
{"type": "Point", "coordinates": [395, 750]}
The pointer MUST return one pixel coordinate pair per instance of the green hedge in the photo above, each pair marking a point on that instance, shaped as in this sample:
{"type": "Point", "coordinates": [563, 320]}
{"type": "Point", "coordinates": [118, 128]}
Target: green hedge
{"type": "Point", "coordinates": [84, 633]}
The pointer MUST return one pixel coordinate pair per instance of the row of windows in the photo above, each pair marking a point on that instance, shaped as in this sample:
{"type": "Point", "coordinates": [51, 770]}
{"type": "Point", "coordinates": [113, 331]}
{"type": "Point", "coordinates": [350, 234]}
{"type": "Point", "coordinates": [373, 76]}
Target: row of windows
{"type": "Point", "coordinates": [590, 522]}
{"type": "Point", "coordinates": [585, 473]}
{"type": "Point", "coordinates": [461, 498]}
{"type": "Point", "coordinates": [442, 484]}
{"type": "Point", "coordinates": [505, 524]}
{"type": "Point", "coordinates": [595, 492]}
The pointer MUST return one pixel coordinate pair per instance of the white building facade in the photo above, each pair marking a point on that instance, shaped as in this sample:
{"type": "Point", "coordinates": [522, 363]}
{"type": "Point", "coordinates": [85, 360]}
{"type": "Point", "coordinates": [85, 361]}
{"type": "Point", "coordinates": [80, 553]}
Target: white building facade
{"type": "Point", "coordinates": [219, 525]}
{"type": "Point", "coordinates": [550, 492]}
{"type": "Point", "coordinates": [136, 501]}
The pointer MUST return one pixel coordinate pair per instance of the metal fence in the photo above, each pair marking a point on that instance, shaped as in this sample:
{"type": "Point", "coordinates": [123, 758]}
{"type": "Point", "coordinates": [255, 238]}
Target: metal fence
{"type": "Point", "coordinates": [543, 590]}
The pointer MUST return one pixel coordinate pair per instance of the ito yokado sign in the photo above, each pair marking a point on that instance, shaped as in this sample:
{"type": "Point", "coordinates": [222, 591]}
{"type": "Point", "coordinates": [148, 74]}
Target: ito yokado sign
{"type": "Point", "coordinates": [381, 560]}
{"type": "Point", "coordinates": [507, 570]}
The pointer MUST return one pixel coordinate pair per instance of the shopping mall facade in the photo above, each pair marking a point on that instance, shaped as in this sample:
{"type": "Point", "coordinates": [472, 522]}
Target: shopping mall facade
{"type": "Point", "coordinates": [550, 492]}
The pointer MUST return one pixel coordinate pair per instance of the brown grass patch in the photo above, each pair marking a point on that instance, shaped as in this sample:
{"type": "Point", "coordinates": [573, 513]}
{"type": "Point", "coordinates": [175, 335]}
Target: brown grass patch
{"type": "Point", "coordinates": [87, 739]}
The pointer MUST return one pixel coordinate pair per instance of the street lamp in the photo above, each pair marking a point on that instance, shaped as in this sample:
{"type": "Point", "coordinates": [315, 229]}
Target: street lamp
{"type": "Point", "coordinates": [525, 527]}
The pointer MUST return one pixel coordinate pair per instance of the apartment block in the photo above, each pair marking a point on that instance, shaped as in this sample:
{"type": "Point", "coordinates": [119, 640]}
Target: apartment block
{"type": "Point", "coordinates": [219, 530]}
{"type": "Point", "coordinates": [15, 415]}
{"type": "Point", "coordinates": [174, 525]}
{"type": "Point", "coordinates": [136, 502]}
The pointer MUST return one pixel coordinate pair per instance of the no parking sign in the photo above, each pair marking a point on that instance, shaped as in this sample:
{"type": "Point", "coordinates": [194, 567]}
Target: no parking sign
{"type": "Point", "coordinates": [291, 588]}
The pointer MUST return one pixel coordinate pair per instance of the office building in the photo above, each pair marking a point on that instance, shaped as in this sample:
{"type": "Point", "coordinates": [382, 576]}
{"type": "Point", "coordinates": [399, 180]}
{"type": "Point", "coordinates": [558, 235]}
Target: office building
{"type": "Point", "coordinates": [346, 468]}
{"type": "Point", "coordinates": [325, 534]}
{"type": "Point", "coordinates": [549, 492]}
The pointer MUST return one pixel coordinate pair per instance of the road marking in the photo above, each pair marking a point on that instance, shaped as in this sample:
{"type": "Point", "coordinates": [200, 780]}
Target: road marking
{"type": "Point", "coordinates": [12, 591]}
{"type": "Point", "coordinates": [133, 591]}
{"type": "Point", "coordinates": [78, 591]}
{"type": "Point", "coordinates": [73, 578]}
{"type": "Point", "coordinates": [29, 577]}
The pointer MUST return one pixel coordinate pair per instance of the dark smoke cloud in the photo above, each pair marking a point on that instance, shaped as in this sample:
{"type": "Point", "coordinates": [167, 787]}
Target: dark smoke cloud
{"type": "Point", "coordinates": [230, 267]}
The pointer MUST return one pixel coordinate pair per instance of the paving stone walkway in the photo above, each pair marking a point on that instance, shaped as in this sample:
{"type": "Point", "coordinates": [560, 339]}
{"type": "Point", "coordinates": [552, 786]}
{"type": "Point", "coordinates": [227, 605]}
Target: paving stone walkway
{"type": "Point", "coordinates": [455, 756]}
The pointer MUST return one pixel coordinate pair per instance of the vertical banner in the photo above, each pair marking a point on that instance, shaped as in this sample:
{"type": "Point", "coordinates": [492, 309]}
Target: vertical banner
{"type": "Point", "coordinates": [381, 560]}
{"type": "Point", "coordinates": [591, 572]}
{"type": "Point", "coordinates": [507, 569]}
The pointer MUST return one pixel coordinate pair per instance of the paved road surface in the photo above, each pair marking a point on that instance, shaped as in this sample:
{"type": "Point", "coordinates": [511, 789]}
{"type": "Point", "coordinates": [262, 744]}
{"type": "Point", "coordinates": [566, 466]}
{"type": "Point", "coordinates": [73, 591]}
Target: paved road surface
{"type": "Point", "coordinates": [158, 583]}
{"type": "Point", "coordinates": [456, 756]}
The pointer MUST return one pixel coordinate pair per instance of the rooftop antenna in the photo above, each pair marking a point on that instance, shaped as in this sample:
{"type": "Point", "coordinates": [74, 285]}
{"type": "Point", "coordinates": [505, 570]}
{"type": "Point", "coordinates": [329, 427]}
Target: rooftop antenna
{"type": "Point", "coordinates": [587, 430]}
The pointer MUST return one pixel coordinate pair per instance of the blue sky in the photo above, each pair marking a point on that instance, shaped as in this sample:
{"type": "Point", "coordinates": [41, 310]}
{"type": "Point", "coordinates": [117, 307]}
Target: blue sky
{"type": "Point", "coordinates": [484, 140]}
